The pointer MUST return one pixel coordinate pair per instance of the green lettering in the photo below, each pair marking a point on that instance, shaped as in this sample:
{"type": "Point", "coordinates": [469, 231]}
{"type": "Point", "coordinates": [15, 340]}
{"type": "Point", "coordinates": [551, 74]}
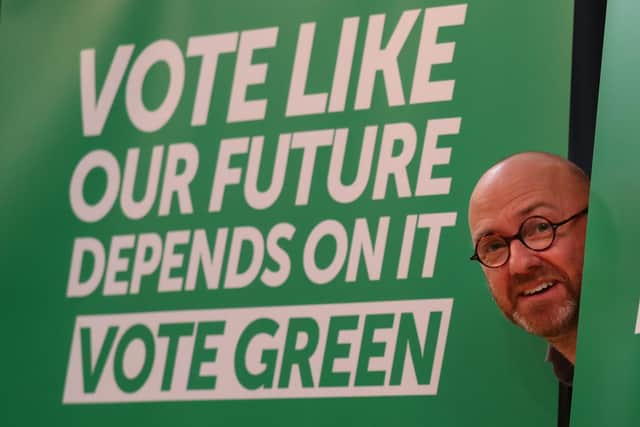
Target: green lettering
{"type": "Point", "coordinates": [202, 354]}
{"type": "Point", "coordinates": [173, 331]}
{"type": "Point", "coordinates": [299, 356]}
{"type": "Point", "coordinates": [91, 377]}
{"type": "Point", "coordinates": [370, 348]}
{"type": "Point", "coordinates": [334, 350]}
{"type": "Point", "coordinates": [265, 378]}
{"type": "Point", "coordinates": [136, 332]}
{"type": "Point", "coordinates": [408, 338]}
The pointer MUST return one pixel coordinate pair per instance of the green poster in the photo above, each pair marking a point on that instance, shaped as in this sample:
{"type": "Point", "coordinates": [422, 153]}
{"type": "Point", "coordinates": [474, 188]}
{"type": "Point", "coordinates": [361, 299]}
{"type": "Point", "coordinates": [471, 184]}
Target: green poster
{"type": "Point", "coordinates": [254, 213]}
{"type": "Point", "coordinates": [607, 382]}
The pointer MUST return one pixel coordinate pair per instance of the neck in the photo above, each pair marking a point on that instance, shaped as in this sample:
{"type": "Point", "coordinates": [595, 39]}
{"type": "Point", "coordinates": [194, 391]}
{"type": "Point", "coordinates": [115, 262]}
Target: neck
{"type": "Point", "coordinates": [566, 344]}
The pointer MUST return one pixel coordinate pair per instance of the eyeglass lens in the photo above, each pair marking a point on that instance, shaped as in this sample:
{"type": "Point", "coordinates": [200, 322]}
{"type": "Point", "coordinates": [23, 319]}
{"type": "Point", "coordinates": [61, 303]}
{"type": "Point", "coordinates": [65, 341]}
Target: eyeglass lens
{"type": "Point", "coordinates": [536, 233]}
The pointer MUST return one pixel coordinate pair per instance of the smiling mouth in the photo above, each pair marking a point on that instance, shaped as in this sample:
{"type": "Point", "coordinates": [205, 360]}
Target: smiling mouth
{"type": "Point", "coordinates": [539, 289]}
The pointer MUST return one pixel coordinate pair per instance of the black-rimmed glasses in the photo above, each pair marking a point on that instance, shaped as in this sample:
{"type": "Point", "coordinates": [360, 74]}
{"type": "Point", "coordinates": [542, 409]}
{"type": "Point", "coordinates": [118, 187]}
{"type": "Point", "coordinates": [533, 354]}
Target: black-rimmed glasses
{"type": "Point", "coordinates": [536, 233]}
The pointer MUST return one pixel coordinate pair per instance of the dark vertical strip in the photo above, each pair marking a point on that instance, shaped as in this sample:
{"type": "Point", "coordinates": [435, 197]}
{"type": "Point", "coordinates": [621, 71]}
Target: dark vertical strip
{"type": "Point", "coordinates": [588, 31]}
{"type": "Point", "coordinates": [588, 35]}
{"type": "Point", "coordinates": [564, 404]}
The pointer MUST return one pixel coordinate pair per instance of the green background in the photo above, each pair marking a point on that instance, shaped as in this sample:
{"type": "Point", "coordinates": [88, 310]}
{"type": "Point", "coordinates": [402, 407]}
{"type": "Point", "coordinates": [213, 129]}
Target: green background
{"type": "Point", "coordinates": [512, 68]}
{"type": "Point", "coordinates": [606, 379]}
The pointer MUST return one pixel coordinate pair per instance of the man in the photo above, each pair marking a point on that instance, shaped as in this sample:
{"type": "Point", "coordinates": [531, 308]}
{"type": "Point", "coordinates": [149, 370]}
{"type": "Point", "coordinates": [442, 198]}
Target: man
{"type": "Point", "coordinates": [527, 216]}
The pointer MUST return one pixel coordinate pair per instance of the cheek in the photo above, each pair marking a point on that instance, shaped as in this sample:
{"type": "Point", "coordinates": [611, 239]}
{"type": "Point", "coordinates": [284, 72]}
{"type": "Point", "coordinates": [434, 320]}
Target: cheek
{"type": "Point", "coordinates": [499, 286]}
{"type": "Point", "coordinates": [569, 260]}
{"type": "Point", "coordinates": [576, 271]}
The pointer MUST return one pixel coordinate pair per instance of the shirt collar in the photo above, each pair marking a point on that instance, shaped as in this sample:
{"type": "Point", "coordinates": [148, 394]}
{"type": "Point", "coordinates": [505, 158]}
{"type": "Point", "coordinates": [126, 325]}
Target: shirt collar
{"type": "Point", "coordinates": [562, 367]}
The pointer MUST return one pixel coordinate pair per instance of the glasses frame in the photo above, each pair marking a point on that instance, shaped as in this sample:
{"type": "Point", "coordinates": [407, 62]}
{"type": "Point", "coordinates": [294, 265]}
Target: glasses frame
{"type": "Point", "coordinates": [518, 236]}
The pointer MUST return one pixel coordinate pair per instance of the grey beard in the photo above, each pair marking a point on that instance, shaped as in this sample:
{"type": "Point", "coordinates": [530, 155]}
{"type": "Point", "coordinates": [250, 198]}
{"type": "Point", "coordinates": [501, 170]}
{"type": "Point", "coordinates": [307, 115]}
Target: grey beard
{"type": "Point", "coordinates": [560, 320]}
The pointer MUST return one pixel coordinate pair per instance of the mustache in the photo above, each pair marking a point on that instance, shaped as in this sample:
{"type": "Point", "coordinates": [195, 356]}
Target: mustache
{"type": "Point", "coordinates": [535, 274]}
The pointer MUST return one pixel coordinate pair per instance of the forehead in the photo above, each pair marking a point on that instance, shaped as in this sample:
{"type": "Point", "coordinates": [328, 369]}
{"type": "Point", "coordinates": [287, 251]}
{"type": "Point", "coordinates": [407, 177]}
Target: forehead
{"type": "Point", "coordinates": [507, 195]}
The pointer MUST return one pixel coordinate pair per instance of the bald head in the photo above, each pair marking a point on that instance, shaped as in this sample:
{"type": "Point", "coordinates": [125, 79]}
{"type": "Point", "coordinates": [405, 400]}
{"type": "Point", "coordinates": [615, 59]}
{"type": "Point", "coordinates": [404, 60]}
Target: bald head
{"type": "Point", "coordinates": [523, 175]}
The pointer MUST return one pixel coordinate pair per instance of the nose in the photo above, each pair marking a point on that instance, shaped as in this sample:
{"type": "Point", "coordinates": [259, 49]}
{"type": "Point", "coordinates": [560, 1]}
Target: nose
{"type": "Point", "coordinates": [522, 259]}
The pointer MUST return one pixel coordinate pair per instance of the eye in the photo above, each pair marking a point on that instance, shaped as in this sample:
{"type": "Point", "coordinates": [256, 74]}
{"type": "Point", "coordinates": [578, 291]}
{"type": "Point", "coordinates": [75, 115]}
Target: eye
{"type": "Point", "coordinates": [494, 246]}
{"type": "Point", "coordinates": [535, 228]}
{"type": "Point", "coordinates": [490, 244]}
{"type": "Point", "coordinates": [542, 227]}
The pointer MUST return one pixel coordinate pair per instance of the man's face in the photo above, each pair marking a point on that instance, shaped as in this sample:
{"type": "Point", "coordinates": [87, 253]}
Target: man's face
{"type": "Point", "coordinates": [506, 196]}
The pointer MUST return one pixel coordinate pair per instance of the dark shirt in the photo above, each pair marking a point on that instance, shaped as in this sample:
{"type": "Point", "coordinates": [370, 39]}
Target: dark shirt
{"type": "Point", "coordinates": [563, 369]}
